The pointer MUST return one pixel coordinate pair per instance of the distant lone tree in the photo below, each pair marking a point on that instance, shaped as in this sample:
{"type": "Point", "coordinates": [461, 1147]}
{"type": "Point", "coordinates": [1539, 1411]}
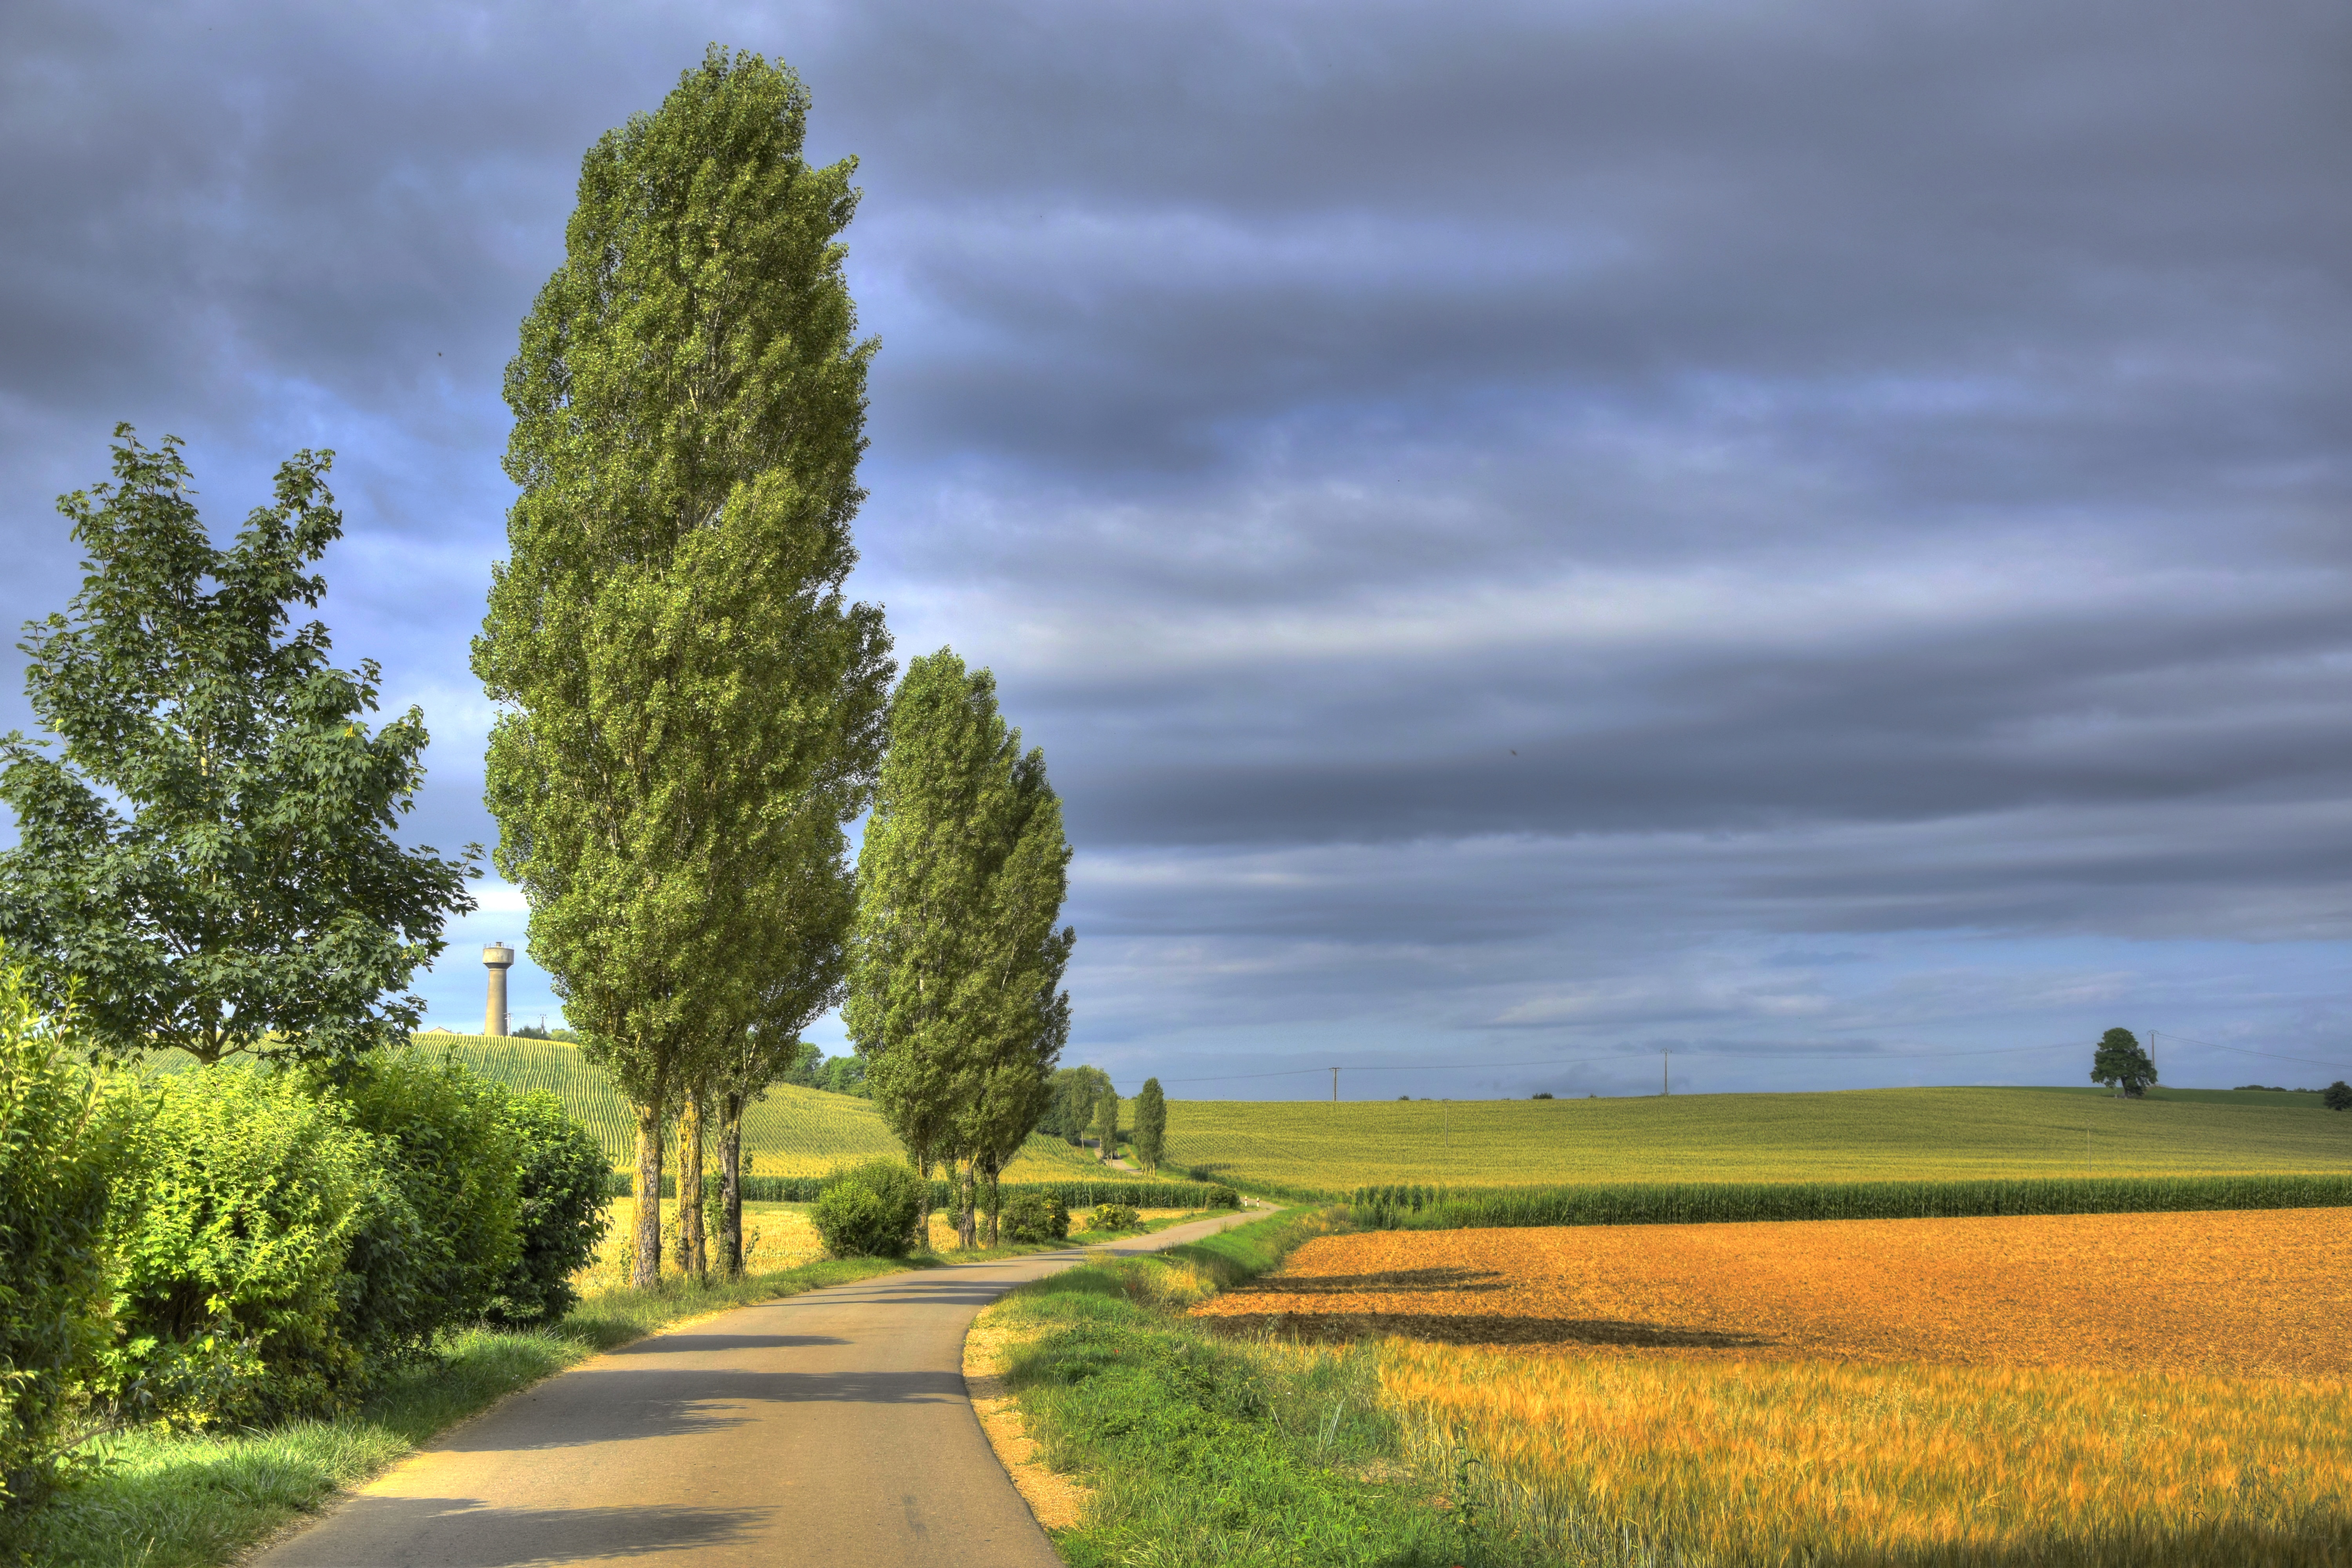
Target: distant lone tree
{"type": "Point", "coordinates": [2122, 1065]}
{"type": "Point", "coordinates": [2338, 1095]}
{"type": "Point", "coordinates": [207, 857]}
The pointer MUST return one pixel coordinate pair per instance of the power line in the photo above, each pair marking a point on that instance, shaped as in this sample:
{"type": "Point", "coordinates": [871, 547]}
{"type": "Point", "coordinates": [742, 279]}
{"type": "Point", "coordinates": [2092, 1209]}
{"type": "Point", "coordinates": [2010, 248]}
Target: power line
{"type": "Point", "coordinates": [1735, 1056]}
{"type": "Point", "coordinates": [1630, 1056]}
{"type": "Point", "coordinates": [2248, 1051]}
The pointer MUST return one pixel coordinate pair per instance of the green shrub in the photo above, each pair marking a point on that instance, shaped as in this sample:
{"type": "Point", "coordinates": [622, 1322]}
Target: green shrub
{"type": "Point", "coordinates": [870, 1210]}
{"type": "Point", "coordinates": [61, 1129]}
{"type": "Point", "coordinates": [1033, 1217]}
{"type": "Point", "coordinates": [232, 1232]}
{"type": "Point", "coordinates": [445, 1137]}
{"type": "Point", "coordinates": [1112, 1217]}
{"type": "Point", "coordinates": [562, 1216]}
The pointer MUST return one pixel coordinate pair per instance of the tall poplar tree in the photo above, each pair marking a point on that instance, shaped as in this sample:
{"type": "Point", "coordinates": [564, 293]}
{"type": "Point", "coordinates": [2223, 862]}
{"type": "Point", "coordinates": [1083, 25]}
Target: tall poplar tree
{"type": "Point", "coordinates": [1150, 1124]}
{"type": "Point", "coordinates": [669, 638]}
{"type": "Point", "coordinates": [955, 970]}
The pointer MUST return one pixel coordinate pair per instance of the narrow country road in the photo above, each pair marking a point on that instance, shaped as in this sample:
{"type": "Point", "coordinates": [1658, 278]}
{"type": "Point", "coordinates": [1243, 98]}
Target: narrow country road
{"type": "Point", "coordinates": [829, 1428]}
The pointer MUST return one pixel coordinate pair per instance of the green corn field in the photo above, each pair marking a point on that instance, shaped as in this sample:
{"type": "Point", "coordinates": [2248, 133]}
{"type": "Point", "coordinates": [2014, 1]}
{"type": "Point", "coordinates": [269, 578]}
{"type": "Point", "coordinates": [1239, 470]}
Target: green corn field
{"type": "Point", "coordinates": [1316, 1148]}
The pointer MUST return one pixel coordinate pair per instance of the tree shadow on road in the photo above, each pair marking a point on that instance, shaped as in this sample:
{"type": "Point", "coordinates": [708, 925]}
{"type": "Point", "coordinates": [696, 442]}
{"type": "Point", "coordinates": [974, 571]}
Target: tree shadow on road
{"type": "Point", "coordinates": [462, 1532]}
{"type": "Point", "coordinates": [614, 1404]}
{"type": "Point", "coordinates": [669, 1344]}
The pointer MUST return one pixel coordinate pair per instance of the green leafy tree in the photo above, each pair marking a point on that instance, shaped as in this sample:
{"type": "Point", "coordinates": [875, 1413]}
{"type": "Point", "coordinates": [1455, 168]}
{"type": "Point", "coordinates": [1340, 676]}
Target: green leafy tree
{"type": "Point", "coordinates": [2122, 1065]}
{"type": "Point", "coordinates": [1107, 1125]}
{"type": "Point", "coordinates": [1150, 1124]}
{"type": "Point", "coordinates": [1071, 1117]}
{"type": "Point", "coordinates": [669, 639]}
{"type": "Point", "coordinates": [207, 860]}
{"type": "Point", "coordinates": [955, 996]}
{"type": "Point", "coordinates": [846, 1075]}
{"type": "Point", "coordinates": [2336, 1096]}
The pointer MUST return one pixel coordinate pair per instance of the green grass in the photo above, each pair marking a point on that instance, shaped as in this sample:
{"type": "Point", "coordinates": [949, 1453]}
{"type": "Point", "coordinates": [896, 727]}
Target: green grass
{"type": "Point", "coordinates": [1201, 1449]}
{"type": "Point", "coordinates": [1912, 1134]}
{"type": "Point", "coordinates": [195, 1502]}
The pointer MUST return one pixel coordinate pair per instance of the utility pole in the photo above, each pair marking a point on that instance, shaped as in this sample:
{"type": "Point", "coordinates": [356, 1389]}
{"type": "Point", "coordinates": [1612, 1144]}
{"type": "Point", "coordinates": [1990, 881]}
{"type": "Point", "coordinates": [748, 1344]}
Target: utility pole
{"type": "Point", "coordinates": [1335, 1086]}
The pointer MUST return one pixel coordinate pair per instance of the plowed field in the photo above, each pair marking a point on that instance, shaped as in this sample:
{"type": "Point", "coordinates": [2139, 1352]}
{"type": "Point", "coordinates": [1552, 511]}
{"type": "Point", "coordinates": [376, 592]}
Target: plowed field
{"type": "Point", "coordinates": [2263, 1293]}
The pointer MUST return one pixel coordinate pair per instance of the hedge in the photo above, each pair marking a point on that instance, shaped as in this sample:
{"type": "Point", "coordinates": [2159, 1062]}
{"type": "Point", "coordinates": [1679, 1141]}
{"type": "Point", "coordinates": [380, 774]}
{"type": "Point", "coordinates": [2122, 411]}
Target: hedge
{"type": "Point", "coordinates": [1075, 1195]}
{"type": "Point", "coordinates": [1717, 1203]}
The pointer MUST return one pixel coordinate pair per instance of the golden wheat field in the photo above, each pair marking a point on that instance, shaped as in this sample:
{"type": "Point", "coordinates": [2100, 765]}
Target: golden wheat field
{"type": "Point", "coordinates": [2105, 1389]}
{"type": "Point", "coordinates": [775, 1236]}
{"type": "Point", "coordinates": [2267, 1291]}
{"type": "Point", "coordinates": [1663, 1459]}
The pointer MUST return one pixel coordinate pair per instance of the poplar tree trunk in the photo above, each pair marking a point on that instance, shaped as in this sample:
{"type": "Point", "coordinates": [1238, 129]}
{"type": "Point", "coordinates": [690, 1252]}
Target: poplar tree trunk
{"type": "Point", "coordinates": [695, 1259]}
{"type": "Point", "coordinates": [730, 1185]}
{"type": "Point", "coordinates": [644, 1268]}
{"type": "Point", "coordinates": [922, 1237]}
{"type": "Point", "coordinates": [994, 1202]}
{"type": "Point", "coordinates": [965, 1237]}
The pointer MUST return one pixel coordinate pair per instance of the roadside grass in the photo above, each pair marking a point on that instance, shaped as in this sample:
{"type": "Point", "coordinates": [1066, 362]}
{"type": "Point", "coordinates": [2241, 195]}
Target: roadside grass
{"type": "Point", "coordinates": [194, 1501]}
{"type": "Point", "coordinates": [1152, 1225]}
{"type": "Point", "coordinates": [1201, 1450]}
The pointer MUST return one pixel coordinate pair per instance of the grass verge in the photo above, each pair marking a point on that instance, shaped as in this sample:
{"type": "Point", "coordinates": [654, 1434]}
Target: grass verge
{"type": "Point", "coordinates": [171, 1502]}
{"type": "Point", "coordinates": [1203, 1449]}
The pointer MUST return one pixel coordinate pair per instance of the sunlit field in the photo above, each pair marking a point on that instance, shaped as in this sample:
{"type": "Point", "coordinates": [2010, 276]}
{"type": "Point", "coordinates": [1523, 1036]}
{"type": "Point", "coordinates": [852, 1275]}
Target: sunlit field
{"type": "Point", "coordinates": [1857, 1135]}
{"type": "Point", "coordinates": [2125, 1389]}
{"type": "Point", "coordinates": [1651, 1458]}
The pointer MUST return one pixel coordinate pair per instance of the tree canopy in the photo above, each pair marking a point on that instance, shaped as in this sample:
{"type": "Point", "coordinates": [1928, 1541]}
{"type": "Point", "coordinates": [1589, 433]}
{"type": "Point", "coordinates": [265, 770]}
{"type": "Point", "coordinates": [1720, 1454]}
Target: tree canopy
{"type": "Point", "coordinates": [683, 678]}
{"type": "Point", "coordinates": [1150, 1123]}
{"type": "Point", "coordinates": [208, 855]}
{"type": "Point", "coordinates": [2122, 1065]}
{"type": "Point", "coordinates": [955, 996]}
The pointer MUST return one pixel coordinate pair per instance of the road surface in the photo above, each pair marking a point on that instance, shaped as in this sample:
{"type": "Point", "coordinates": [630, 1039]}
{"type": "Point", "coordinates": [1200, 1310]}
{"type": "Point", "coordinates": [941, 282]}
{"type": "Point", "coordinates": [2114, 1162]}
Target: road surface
{"type": "Point", "coordinates": [828, 1428]}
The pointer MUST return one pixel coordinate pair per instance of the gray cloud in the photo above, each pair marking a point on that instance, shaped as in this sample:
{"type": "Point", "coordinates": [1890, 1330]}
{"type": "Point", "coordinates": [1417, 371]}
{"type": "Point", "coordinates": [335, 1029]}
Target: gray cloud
{"type": "Point", "coordinates": [1881, 473]}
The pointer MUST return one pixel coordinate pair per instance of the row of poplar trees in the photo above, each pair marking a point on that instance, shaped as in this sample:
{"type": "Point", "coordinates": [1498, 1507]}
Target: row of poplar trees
{"type": "Point", "coordinates": [693, 713]}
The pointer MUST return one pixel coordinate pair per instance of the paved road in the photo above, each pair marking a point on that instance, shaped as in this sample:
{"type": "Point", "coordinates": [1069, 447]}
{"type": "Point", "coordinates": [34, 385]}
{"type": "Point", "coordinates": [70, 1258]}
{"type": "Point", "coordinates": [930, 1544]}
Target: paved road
{"type": "Point", "coordinates": [831, 1428]}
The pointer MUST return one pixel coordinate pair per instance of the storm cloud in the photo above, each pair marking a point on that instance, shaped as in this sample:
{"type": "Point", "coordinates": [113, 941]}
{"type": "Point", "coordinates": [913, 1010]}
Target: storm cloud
{"type": "Point", "coordinates": [1807, 536]}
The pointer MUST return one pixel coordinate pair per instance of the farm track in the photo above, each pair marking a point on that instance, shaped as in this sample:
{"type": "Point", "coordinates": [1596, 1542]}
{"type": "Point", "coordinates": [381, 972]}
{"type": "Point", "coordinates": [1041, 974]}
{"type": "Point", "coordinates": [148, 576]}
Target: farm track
{"type": "Point", "coordinates": [829, 1427]}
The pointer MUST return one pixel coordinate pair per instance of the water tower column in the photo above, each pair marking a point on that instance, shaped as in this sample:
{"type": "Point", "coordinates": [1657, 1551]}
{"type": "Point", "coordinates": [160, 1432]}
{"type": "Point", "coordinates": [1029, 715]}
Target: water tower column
{"type": "Point", "coordinates": [498, 958]}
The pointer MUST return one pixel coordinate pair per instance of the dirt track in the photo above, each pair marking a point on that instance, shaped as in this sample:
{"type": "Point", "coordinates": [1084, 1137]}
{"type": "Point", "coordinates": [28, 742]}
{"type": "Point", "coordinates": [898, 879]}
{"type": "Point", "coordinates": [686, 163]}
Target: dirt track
{"type": "Point", "coordinates": [831, 1428]}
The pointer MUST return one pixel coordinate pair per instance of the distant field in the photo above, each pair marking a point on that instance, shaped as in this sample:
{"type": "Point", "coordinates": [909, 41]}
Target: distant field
{"type": "Point", "coordinates": [1855, 1135]}
{"type": "Point", "coordinates": [791, 1133]}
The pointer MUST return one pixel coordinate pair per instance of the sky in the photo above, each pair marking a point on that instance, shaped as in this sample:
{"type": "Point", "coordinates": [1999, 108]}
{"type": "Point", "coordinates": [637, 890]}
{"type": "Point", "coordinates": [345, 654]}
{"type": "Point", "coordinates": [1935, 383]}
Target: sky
{"type": "Point", "coordinates": [1804, 538]}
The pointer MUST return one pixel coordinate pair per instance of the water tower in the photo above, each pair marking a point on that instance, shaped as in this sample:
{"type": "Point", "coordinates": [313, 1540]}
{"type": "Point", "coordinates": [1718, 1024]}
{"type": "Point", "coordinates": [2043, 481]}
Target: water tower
{"type": "Point", "coordinates": [498, 958]}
